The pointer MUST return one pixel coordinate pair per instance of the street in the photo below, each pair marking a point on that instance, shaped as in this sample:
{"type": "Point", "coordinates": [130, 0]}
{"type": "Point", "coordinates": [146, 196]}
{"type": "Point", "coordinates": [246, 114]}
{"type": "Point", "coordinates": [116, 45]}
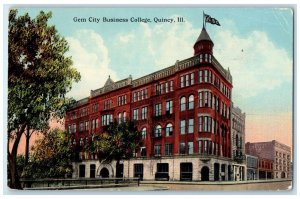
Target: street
{"type": "Point", "coordinates": [186, 187]}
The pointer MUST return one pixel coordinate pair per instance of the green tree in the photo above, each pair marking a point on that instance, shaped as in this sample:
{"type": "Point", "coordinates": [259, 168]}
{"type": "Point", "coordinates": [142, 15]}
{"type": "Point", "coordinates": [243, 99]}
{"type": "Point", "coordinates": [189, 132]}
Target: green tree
{"type": "Point", "coordinates": [119, 142]}
{"type": "Point", "coordinates": [51, 156]}
{"type": "Point", "coordinates": [39, 76]}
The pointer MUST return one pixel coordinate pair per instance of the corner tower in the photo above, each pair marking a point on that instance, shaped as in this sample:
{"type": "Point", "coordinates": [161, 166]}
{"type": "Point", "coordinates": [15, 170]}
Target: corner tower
{"type": "Point", "coordinates": [203, 45]}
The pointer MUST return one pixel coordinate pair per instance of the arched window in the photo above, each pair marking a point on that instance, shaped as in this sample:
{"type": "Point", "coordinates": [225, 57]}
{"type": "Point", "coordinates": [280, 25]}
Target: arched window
{"type": "Point", "coordinates": [124, 116]}
{"type": "Point", "coordinates": [157, 131]}
{"type": "Point", "coordinates": [191, 102]}
{"type": "Point", "coordinates": [119, 118]}
{"type": "Point", "coordinates": [144, 133]}
{"type": "Point", "coordinates": [182, 103]}
{"type": "Point", "coordinates": [169, 129]}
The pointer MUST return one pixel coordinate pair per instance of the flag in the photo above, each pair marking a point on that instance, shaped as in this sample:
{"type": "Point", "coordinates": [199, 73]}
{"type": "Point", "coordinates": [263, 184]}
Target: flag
{"type": "Point", "coordinates": [209, 19]}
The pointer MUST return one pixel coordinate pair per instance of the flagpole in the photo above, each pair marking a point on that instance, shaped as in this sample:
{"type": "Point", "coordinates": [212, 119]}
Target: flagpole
{"type": "Point", "coordinates": [203, 20]}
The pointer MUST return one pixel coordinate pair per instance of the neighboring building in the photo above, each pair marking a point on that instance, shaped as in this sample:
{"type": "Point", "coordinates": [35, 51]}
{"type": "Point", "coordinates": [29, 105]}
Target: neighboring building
{"type": "Point", "coordinates": [252, 167]}
{"type": "Point", "coordinates": [183, 112]}
{"type": "Point", "coordinates": [278, 153]}
{"type": "Point", "coordinates": [265, 169]}
{"type": "Point", "coordinates": [238, 143]}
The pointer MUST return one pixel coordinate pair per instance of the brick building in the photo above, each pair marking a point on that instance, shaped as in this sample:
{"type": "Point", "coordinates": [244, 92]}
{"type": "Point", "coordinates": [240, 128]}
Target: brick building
{"type": "Point", "coordinates": [279, 154]}
{"type": "Point", "coordinates": [238, 143]}
{"type": "Point", "coordinates": [265, 169]}
{"type": "Point", "coordinates": [183, 112]}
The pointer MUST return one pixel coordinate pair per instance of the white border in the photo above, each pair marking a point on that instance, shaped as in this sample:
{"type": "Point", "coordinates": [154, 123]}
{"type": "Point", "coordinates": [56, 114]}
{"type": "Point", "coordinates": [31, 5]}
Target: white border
{"type": "Point", "coordinates": [60, 3]}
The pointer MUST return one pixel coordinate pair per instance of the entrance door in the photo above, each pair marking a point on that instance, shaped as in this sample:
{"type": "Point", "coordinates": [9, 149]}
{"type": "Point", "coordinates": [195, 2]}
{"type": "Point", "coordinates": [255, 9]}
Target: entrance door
{"type": "Point", "coordinates": [82, 171]}
{"type": "Point", "coordinates": [216, 171]}
{"type": "Point", "coordinates": [139, 171]}
{"type": "Point", "coordinates": [119, 171]}
{"type": "Point", "coordinates": [104, 173]}
{"type": "Point", "coordinates": [186, 171]}
{"type": "Point", "coordinates": [92, 170]}
{"type": "Point", "coordinates": [205, 174]}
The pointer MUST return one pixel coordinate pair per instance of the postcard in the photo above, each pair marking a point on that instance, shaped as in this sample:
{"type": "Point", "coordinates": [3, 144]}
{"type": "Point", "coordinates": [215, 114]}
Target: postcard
{"type": "Point", "coordinates": [150, 98]}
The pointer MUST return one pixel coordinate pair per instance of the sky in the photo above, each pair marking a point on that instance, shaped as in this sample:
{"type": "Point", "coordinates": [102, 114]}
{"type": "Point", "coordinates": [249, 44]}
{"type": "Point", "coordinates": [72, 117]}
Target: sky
{"type": "Point", "coordinates": [255, 43]}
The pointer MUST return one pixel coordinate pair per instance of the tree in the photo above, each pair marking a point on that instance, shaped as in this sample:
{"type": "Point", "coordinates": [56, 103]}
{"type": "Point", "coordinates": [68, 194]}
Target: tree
{"type": "Point", "coordinates": [51, 156]}
{"type": "Point", "coordinates": [118, 142]}
{"type": "Point", "coordinates": [39, 76]}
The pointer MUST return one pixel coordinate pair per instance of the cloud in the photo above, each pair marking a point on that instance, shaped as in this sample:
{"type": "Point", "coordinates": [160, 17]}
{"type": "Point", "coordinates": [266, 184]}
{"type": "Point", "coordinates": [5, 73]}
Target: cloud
{"type": "Point", "coordinates": [126, 38]}
{"type": "Point", "coordinates": [256, 63]}
{"type": "Point", "coordinates": [91, 58]}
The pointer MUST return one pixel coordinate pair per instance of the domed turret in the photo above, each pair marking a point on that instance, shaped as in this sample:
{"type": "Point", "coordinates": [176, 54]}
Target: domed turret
{"type": "Point", "coordinates": [203, 44]}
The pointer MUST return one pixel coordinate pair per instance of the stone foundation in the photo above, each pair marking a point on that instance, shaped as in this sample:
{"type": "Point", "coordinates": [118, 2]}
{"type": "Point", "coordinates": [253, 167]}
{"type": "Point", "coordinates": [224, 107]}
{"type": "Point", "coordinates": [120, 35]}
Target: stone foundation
{"type": "Point", "coordinates": [203, 169]}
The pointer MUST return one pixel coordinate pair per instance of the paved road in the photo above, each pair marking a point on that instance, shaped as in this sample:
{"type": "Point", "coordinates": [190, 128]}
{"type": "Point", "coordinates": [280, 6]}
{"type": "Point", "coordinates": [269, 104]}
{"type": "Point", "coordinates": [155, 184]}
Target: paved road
{"type": "Point", "coordinates": [283, 186]}
{"type": "Point", "coordinates": [266, 186]}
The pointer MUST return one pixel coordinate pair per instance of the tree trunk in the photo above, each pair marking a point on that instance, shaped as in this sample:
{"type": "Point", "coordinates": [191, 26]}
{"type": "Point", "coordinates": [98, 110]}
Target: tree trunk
{"type": "Point", "coordinates": [12, 160]}
{"type": "Point", "coordinates": [117, 167]}
{"type": "Point", "coordinates": [27, 135]}
{"type": "Point", "coordinates": [14, 182]}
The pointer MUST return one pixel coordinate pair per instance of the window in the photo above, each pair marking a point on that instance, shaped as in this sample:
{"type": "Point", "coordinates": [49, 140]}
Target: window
{"type": "Point", "coordinates": [107, 104]}
{"type": "Point", "coordinates": [187, 80]}
{"type": "Point", "coordinates": [81, 127]}
{"type": "Point", "coordinates": [157, 110]}
{"type": "Point", "coordinates": [201, 58]}
{"type": "Point", "coordinates": [171, 85]}
{"type": "Point", "coordinates": [205, 124]}
{"type": "Point", "coordinates": [157, 150]}
{"type": "Point", "coordinates": [181, 81]}
{"type": "Point", "coordinates": [191, 102]}
{"type": "Point", "coordinates": [143, 152]}
{"type": "Point", "coordinates": [182, 126]}
{"type": "Point", "coordinates": [191, 126]}
{"type": "Point", "coordinates": [86, 126]}
{"type": "Point", "coordinates": [121, 100]}
{"type": "Point", "coordinates": [200, 76]}
{"type": "Point", "coordinates": [192, 79]}
{"type": "Point", "coordinates": [190, 150]}
{"type": "Point", "coordinates": [182, 148]}
{"type": "Point", "coordinates": [205, 147]}
{"type": "Point", "coordinates": [169, 107]}
{"type": "Point", "coordinates": [106, 119]}
{"type": "Point", "coordinates": [135, 114]}
{"type": "Point", "coordinates": [182, 103]}
{"type": "Point", "coordinates": [97, 122]}
{"type": "Point", "coordinates": [200, 146]}
{"type": "Point", "coordinates": [119, 118]}
{"type": "Point", "coordinates": [144, 113]}
{"type": "Point", "coordinates": [144, 133]}
{"type": "Point", "coordinates": [157, 131]}
{"type": "Point", "coordinates": [70, 129]}
{"type": "Point", "coordinates": [162, 168]}
{"type": "Point", "coordinates": [134, 97]}
{"type": "Point", "coordinates": [93, 124]}
{"type": "Point", "coordinates": [168, 149]}
{"type": "Point", "coordinates": [124, 116]}
{"type": "Point", "coordinates": [74, 128]}
{"type": "Point", "coordinates": [205, 76]}
{"type": "Point", "coordinates": [167, 87]}
{"type": "Point", "coordinates": [169, 129]}
{"type": "Point", "coordinates": [200, 99]}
